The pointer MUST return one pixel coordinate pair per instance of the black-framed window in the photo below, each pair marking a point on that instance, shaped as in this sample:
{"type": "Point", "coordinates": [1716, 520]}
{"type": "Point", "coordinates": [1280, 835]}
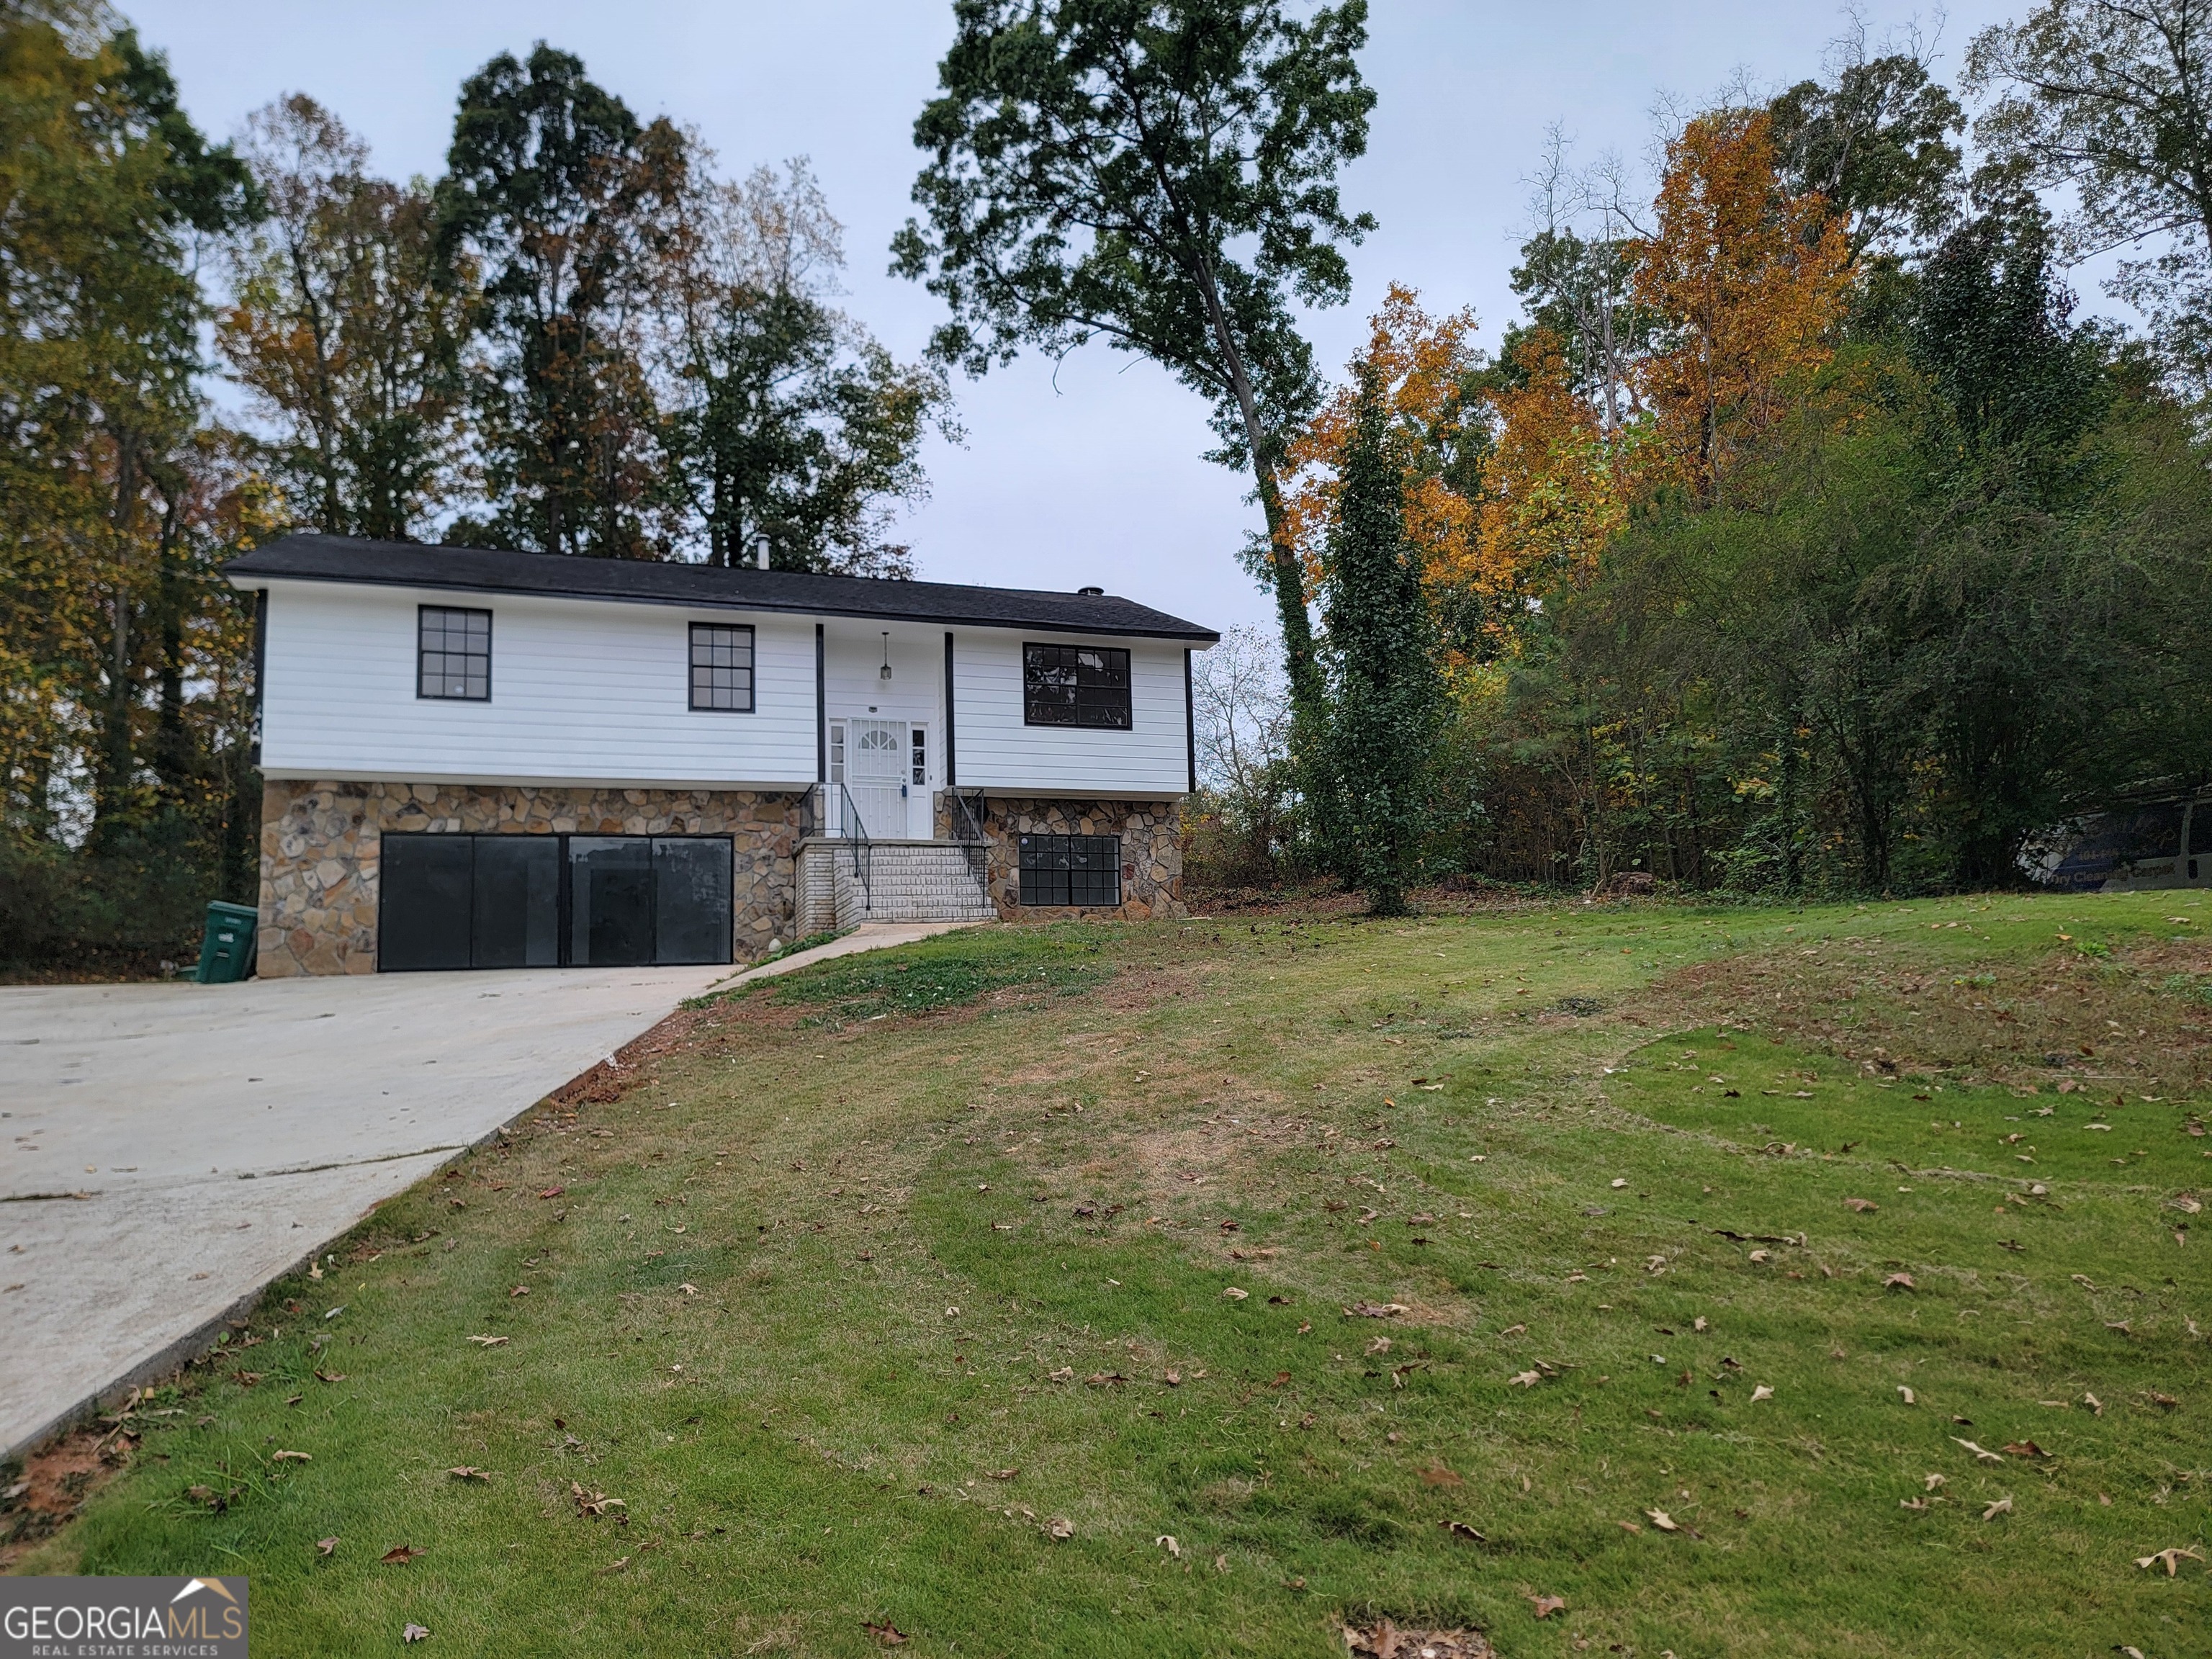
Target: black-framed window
{"type": "Point", "coordinates": [453, 653]}
{"type": "Point", "coordinates": [722, 667]}
{"type": "Point", "coordinates": [1076, 685]}
{"type": "Point", "coordinates": [1081, 870]}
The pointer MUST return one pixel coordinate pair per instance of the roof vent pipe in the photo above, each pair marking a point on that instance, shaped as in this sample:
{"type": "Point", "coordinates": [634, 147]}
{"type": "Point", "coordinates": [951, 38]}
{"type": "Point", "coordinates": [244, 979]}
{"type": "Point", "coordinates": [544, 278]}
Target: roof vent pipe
{"type": "Point", "coordinates": [1092, 592]}
{"type": "Point", "coordinates": [760, 551]}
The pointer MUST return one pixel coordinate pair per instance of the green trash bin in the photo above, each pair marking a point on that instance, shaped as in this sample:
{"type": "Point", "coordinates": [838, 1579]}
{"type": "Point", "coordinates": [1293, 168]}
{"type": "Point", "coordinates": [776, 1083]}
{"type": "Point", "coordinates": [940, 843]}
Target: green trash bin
{"type": "Point", "coordinates": [226, 947]}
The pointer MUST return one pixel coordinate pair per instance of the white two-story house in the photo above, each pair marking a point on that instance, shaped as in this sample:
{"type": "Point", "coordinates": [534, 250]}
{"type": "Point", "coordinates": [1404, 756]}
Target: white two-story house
{"type": "Point", "coordinates": [476, 758]}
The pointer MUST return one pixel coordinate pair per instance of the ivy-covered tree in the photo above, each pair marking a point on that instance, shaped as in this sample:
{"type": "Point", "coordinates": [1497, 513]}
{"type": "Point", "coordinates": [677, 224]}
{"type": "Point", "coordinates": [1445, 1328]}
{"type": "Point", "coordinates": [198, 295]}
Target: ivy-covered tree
{"type": "Point", "coordinates": [1386, 697]}
{"type": "Point", "coordinates": [1160, 174]}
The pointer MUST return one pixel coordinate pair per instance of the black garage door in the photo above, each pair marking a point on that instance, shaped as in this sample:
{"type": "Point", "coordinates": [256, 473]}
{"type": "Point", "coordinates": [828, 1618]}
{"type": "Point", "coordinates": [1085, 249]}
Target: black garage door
{"type": "Point", "coordinates": [553, 901]}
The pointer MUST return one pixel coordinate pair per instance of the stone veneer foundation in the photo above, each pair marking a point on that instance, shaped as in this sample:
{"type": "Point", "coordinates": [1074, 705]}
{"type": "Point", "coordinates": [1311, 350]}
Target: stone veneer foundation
{"type": "Point", "coordinates": [1152, 852]}
{"type": "Point", "coordinates": [321, 844]}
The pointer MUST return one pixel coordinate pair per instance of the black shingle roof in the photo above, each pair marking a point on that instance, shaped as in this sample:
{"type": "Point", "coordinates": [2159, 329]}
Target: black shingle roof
{"type": "Point", "coordinates": [307, 557]}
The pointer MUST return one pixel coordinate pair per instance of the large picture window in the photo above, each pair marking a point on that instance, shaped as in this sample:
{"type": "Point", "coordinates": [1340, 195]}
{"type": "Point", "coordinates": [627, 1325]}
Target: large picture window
{"type": "Point", "coordinates": [453, 653]}
{"type": "Point", "coordinates": [1080, 870]}
{"type": "Point", "coordinates": [1076, 685]}
{"type": "Point", "coordinates": [722, 667]}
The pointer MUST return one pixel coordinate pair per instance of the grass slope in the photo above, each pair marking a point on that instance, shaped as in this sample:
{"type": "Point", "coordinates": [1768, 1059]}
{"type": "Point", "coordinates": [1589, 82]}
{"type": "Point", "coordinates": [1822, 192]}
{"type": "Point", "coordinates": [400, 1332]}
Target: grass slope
{"type": "Point", "coordinates": [868, 1317]}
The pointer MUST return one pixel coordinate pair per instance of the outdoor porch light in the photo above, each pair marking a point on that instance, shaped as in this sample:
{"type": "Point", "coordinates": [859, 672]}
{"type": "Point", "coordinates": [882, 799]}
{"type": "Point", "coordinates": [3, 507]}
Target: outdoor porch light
{"type": "Point", "coordinates": [884, 672]}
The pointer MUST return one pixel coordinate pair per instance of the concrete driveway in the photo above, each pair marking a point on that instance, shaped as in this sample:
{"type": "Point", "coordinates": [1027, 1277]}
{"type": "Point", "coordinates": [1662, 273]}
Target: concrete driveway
{"type": "Point", "coordinates": [166, 1150]}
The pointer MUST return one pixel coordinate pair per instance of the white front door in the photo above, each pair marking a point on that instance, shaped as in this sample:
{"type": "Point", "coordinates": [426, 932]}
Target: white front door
{"type": "Point", "coordinates": [875, 771]}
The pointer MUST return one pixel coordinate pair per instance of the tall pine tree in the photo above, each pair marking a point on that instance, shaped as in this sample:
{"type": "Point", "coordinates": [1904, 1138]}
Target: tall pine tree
{"type": "Point", "coordinates": [1380, 654]}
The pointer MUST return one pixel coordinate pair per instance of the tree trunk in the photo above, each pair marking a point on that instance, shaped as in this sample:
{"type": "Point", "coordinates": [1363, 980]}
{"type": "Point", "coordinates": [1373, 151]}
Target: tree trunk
{"type": "Point", "coordinates": [1307, 698]}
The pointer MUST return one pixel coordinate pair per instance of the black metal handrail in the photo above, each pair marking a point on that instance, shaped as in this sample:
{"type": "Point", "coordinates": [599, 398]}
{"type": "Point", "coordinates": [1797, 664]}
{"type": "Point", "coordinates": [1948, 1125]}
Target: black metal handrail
{"type": "Point", "coordinates": [857, 832]}
{"type": "Point", "coordinates": [968, 832]}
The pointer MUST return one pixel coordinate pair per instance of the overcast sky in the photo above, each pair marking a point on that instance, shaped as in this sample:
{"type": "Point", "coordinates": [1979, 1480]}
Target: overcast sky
{"type": "Point", "coordinates": [1090, 475]}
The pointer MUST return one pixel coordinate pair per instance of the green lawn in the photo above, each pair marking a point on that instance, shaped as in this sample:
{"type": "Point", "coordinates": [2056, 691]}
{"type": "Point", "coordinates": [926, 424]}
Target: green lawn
{"type": "Point", "coordinates": [1398, 1269]}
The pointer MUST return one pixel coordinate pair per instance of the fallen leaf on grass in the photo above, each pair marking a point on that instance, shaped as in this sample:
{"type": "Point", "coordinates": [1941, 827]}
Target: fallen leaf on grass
{"type": "Point", "coordinates": [1915, 1504]}
{"type": "Point", "coordinates": [326, 1545]}
{"type": "Point", "coordinates": [2095, 1405]}
{"type": "Point", "coordinates": [1932, 1481]}
{"type": "Point", "coordinates": [1982, 1453]}
{"type": "Point", "coordinates": [1526, 1379]}
{"type": "Point", "coordinates": [1375, 1309]}
{"type": "Point", "coordinates": [399, 1555]}
{"type": "Point", "coordinates": [1104, 1379]}
{"type": "Point", "coordinates": [2025, 1449]}
{"type": "Point", "coordinates": [1003, 1474]}
{"type": "Point", "coordinates": [1907, 1392]}
{"type": "Point", "coordinates": [1065, 1374]}
{"type": "Point", "coordinates": [552, 1192]}
{"type": "Point", "coordinates": [291, 1457]}
{"type": "Point", "coordinates": [1862, 1205]}
{"type": "Point", "coordinates": [469, 1471]}
{"type": "Point", "coordinates": [1661, 1520]}
{"type": "Point", "coordinates": [412, 1633]}
{"type": "Point", "coordinates": [1545, 1606]}
{"type": "Point", "coordinates": [1059, 1527]}
{"type": "Point", "coordinates": [1387, 1641]}
{"type": "Point", "coordinates": [1761, 1392]}
{"type": "Point", "coordinates": [1440, 1474]}
{"type": "Point", "coordinates": [1235, 1294]}
{"type": "Point", "coordinates": [2003, 1506]}
{"type": "Point", "coordinates": [2171, 1559]}
{"type": "Point", "coordinates": [1172, 1377]}
{"type": "Point", "coordinates": [887, 1633]}
{"type": "Point", "coordinates": [1460, 1530]}
{"type": "Point", "coordinates": [1171, 1543]}
{"type": "Point", "coordinates": [489, 1342]}
{"type": "Point", "coordinates": [340, 1377]}
{"type": "Point", "coordinates": [618, 1566]}
{"type": "Point", "coordinates": [689, 1289]}
{"type": "Point", "coordinates": [1630, 1526]}
{"type": "Point", "coordinates": [1900, 1282]}
{"type": "Point", "coordinates": [595, 1504]}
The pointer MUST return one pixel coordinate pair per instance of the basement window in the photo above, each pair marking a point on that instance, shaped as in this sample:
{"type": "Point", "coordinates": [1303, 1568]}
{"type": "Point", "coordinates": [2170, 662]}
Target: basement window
{"type": "Point", "coordinates": [1081, 871]}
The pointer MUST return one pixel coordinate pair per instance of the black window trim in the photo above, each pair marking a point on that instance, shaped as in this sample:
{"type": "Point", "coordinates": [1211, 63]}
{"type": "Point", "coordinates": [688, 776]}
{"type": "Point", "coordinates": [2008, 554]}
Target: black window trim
{"type": "Point", "coordinates": [421, 695]}
{"type": "Point", "coordinates": [752, 673]}
{"type": "Point", "coordinates": [1128, 686]}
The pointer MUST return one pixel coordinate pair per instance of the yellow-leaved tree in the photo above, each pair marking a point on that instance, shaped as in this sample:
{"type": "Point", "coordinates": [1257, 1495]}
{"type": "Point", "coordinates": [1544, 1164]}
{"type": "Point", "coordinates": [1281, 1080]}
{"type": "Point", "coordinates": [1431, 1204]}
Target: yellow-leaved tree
{"type": "Point", "coordinates": [1750, 280]}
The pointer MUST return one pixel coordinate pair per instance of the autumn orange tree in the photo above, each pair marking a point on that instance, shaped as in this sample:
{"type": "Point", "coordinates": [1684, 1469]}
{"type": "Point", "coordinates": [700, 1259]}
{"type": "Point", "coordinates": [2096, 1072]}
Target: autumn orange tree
{"type": "Point", "coordinates": [1751, 281]}
{"type": "Point", "coordinates": [1426, 372]}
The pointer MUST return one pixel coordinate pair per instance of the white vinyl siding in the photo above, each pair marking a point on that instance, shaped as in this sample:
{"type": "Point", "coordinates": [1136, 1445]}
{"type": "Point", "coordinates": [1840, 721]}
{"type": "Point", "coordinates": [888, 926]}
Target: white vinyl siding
{"type": "Point", "coordinates": [582, 690]}
{"type": "Point", "coordinates": [996, 751]}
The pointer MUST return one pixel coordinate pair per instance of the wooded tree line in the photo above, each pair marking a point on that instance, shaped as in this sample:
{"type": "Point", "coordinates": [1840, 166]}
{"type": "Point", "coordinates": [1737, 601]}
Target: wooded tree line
{"type": "Point", "coordinates": [580, 339]}
{"type": "Point", "coordinates": [1800, 538]}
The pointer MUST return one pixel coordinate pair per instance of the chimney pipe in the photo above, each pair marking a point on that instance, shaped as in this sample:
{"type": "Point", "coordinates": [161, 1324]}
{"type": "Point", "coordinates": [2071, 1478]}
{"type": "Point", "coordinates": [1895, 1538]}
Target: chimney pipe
{"type": "Point", "coordinates": [760, 551]}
